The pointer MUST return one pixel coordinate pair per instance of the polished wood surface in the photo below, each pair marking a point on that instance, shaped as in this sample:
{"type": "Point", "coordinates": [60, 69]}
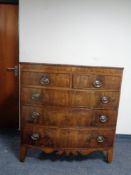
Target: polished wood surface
{"type": "Point", "coordinates": [69, 109]}
{"type": "Point", "coordinates": [55, 80]}
{"type": "Point", "coordinates": [67, 117]}
{"type": "Point", "coordinates": [59, 68]}
{"type": "Point", "coordinates": [67, 138]}
{"type": "Point", "coordinates": [8, 59]}
{"type": "Point", "coordinates": [64, 97]}
{"type": "Point", "coordinates": [87, 81]}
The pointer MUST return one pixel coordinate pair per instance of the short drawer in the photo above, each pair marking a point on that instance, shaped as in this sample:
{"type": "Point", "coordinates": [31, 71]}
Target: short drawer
{"type": "Point", "coordinates": [96, 81]}
{"type": "Point", "coordinates": [68, 117]}
{"type": "Point", "coordinates": [45, 79]}
{"type": "Point", "coordinates": [67, 138]}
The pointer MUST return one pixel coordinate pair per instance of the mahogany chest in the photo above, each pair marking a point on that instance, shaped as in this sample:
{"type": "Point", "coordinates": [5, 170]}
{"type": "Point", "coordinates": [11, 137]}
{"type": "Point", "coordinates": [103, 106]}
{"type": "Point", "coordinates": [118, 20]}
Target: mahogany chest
{"type": "Point", "coordinates": [69, 109]}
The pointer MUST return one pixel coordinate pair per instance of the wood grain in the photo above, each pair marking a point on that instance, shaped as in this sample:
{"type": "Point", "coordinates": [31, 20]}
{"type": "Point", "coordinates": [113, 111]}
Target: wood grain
{"type": "Point", "coordinates": [9, 95]}
{"type": "Point", "coordinates": [70, 115]}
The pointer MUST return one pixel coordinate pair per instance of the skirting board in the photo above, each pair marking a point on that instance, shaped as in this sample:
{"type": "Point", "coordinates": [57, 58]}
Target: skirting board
{"type": "Point", "coordinates": [123, 136]}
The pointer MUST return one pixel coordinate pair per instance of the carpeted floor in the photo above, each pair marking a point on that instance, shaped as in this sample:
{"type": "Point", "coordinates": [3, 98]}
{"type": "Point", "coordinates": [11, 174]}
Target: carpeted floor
{"type": "Point", "coordinates": [38, 163]}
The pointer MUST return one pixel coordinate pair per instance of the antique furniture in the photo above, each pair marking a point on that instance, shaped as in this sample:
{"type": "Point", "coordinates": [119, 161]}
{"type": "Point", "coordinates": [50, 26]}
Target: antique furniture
{"type": "Point", "coordinates": [68, 108]}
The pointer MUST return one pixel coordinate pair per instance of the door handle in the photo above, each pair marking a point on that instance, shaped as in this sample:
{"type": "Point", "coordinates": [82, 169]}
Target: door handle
{"type": "Point", "coordinates": [15, 69]}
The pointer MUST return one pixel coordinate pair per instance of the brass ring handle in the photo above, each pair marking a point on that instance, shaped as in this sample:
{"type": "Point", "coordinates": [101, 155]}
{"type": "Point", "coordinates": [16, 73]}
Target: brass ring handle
{"type": "Point", "coordinates": [103, 118]}
{"type": "Point", "coordinates": [35, 115]}
{"type": "Point", "coordinates": [35, 96]}
{"type": "Point", "coordinates": [44, 80]}
{"type": "Point", "coordinates": [100, 139]}
{"type": "Point", "coordinates": [35, 136]}
{"type": "Point", "coordinates": [97, 83]}
{"type": "Point", "coordinates": [105, 99]}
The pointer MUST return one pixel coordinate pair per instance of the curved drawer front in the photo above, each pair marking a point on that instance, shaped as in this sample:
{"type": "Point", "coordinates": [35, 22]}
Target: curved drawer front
{"type": "Point", "coordinates": [68, 117]}
{"type": "Point", "coordinates": [55, 97]}
{"type": "Point", "coordinates": [46, 79]}
{"type": "Point", "coordinates": [96, 81]}
{"type": "Point", "coordinates": [67, 138]}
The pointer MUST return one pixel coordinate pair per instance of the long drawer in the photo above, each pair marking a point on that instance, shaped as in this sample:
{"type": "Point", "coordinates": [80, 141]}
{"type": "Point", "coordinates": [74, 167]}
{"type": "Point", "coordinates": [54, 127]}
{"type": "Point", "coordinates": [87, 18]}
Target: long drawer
{"type": "Point", "coordinates": [67, 138]}
{"type": "Point", "coordinates": [75, 98]}
{"type": "Point", "coordinates": [68, 117]}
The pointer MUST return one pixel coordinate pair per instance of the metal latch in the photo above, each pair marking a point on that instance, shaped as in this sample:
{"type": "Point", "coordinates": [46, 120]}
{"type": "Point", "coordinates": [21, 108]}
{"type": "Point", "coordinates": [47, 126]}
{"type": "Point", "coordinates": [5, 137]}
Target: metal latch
{"type": "Point", "coordinates": [15, 69]}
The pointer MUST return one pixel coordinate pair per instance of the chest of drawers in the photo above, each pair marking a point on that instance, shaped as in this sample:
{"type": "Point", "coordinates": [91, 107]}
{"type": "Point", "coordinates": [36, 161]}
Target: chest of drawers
{"type": "Point", "coordinates": [69, 109]}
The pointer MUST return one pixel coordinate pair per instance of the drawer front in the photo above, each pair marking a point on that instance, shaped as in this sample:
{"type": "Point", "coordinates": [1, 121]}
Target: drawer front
{"type": "Point", "coordinates": [68, 117]}
{"type": "Point", "coordinates": [45, 96]}
{"type": "Point", "coordinates": [67, 138]}
{"type": "Point", "coordinates": [89, 99]}
{"type": "Point", "coordinates": [90, 138]}
{"type": "Point", "coordinates": [46, 79]}
{"type": "Point", "coordinates": [96, 81]}
{"type": "Point", "coordinates": [45, 137]}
